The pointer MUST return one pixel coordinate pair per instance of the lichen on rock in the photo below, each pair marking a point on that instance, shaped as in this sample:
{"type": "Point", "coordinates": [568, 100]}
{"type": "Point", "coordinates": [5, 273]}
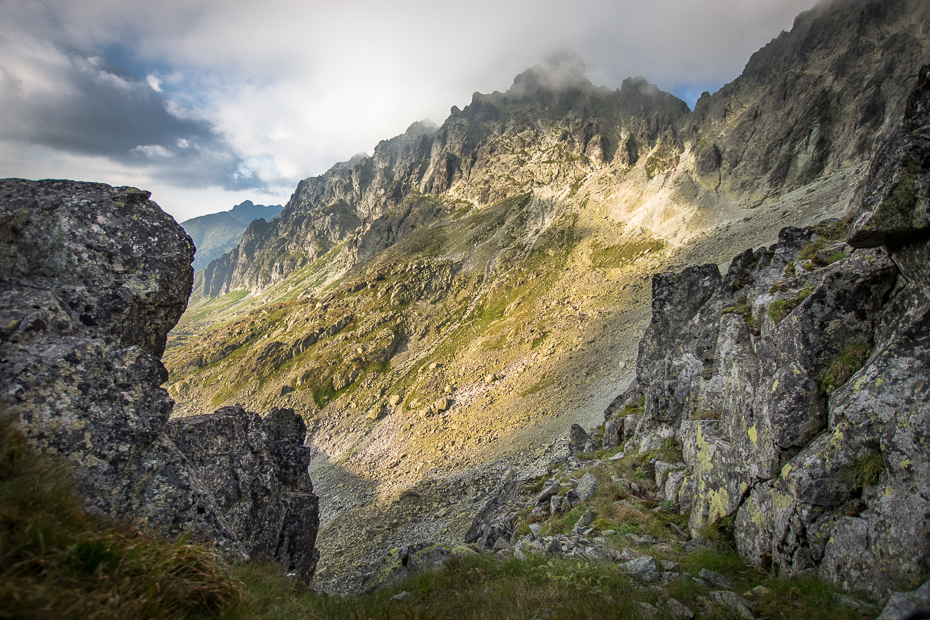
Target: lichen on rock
{"type": "Point", "coordinates": [92, 278]}
{"type": "Point", "coordinates": [767, 439]}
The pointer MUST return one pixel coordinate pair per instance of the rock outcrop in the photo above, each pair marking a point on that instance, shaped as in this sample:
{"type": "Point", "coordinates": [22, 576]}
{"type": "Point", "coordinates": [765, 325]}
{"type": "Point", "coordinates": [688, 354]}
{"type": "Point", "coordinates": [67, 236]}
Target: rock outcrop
{"type": "Point", "coordinates": [91, 280]}
{"type": "Point", "coordinates": [797, 384]}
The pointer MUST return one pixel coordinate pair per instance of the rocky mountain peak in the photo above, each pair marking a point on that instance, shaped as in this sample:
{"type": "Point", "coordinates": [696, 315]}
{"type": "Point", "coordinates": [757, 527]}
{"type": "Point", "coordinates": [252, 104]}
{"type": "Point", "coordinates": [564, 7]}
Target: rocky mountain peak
{"type": "Point", "coordinates": [426, 127]}
{"type": "Point", "coordinates": [560, 72]}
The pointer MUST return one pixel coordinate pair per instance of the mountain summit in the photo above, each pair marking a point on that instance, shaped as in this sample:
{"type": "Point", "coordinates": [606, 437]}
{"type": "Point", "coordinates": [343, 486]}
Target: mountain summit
{"type": "Point", "coordinates": [217, 233]}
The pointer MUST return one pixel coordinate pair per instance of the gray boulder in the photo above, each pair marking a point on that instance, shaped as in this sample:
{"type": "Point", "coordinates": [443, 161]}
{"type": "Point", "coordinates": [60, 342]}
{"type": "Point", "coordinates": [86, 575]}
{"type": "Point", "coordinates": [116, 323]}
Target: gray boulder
{"type": "Point", "coordinates": [578, 439]}
{"type": "Point", "coordinates": [92, 278]}
{"type": "Point", "coordinates": [902, 605]}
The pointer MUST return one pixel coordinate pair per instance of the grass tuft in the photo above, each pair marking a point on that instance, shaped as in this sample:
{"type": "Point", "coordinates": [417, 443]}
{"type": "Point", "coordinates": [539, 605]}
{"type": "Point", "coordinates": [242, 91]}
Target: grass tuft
{"type": "Point", "coordinates": [851, 358]}
{"type": "Point", "coordinates": [56, 561]}
{"type": "Point", "coordinates": [865, 471]}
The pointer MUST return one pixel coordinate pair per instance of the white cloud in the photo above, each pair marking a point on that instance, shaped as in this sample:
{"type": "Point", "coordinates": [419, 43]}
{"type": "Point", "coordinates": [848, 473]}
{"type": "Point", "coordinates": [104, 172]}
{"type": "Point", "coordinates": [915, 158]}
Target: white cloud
{"type": "Point", "coordinates": [153, 151]}
{"type": "Point", "coordinates": [154, 82]}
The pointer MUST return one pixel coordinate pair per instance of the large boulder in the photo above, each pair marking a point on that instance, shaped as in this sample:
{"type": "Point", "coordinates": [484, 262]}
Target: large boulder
{"type": "Point", "coordinates": [92, 278]}
{"type": "Point", "coordinates": [798, 388]}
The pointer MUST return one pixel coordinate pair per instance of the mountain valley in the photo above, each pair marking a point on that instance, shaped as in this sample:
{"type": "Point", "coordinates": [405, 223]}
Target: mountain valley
{"type": "Point", "coordinates": [441, 312]}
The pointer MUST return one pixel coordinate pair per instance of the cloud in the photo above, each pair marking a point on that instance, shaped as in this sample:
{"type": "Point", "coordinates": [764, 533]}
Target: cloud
{"type": "Point", "coordinates": [83, 104]}
{"type": "Point", "coordinates": [221, 93]}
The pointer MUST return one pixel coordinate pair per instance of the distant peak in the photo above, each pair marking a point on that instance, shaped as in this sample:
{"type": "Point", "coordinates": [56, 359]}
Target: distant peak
{"type": "Point", "coordinates": [426, 127]}
{"type": "Point", "coordinates": [638, 85]}
{"type": "Point", "coordinates": [560, 71]}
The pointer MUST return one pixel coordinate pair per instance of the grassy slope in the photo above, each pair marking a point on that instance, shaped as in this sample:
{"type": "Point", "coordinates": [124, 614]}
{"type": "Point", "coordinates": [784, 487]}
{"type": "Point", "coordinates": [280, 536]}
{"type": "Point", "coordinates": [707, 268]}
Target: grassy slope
{"type": "Point", "coordinates": [58, 562]}
{"type": "Point", "coordinates": [547, 296]}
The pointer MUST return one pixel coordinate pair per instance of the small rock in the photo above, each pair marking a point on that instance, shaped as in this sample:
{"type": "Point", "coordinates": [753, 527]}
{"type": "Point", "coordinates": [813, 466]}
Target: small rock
{"type": "Point", "coordinates": [394, 400]}
{"type": "Point", "coordinates": [841, 600]}
{"type": "Point", "coordinates": [646, 610]}
{"type": "Point", "coordinates": [643, 567]}
{"type": "Point", "coordinates": [680, 532]}
{"type": "Point", "coordinates": [902, 604]}
{"type": "Point", "coordinates": [551, 488]}
{"type": "Point", "coordinates": [403, 595]}
{"type": "Point", "coordinates": [584, 520]}
{"type": "Point", "coordinates": [554, 547]}
{"type": "Point", "coordinates": [669, 566]}
{"type": "Point", "coordinates": [678, 610]}
{"type": "Point", "coordinates": [729, 600]}
{"type": "Point", "coordinates": [578, 439]}
{"type": "Point", "coordinates": [587, 487]}
{"type": "Point", "coordinates": [715, 579]}
{"type": "Point", "coordinates": [641, 540]}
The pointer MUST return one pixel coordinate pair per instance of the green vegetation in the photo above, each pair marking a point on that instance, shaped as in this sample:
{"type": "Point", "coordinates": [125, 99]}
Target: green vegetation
{"type": "Point", "coordinates": [214, 306]}
{"type": "Point", "coordinates": [624, 253]}
{"type": "Point", "coordinates": [705, 414]}
{"type": "Point", "coordinates": [742, 307]}
{"type": "Point", "coordinates": [781, 308]}
{"type": "Point", "coordinates": [851, 358]}
{"type": "Point", "coordinates": [828, 233]}
{"type": "Point", "coordinates": [664, 158]}
{"type": "Point", "coordinates": [539, 386]}
{"type": "Point", "coordinates": [745, 278]}
{"type": "Point", "coordinates": [633, 409]}
{"type": "Point", "coordinates": [58, 562]}
{"type": "Point", "coordinates": [721, 533]}
{"type": "Point", "coordinates": [864, 472]}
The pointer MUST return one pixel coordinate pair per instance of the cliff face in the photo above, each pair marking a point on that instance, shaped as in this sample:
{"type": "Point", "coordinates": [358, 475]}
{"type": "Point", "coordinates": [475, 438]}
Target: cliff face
{"type": "Point", "coordinates": [810, 100]}
{"type": "Point", "coordinates": [86, 302]}
{"type": "Point", "coordinates": [796, 384]}
{"type": "Point", "coordinates": [551, 129]}
{"type": "Point", "coordinates": [809, 103]}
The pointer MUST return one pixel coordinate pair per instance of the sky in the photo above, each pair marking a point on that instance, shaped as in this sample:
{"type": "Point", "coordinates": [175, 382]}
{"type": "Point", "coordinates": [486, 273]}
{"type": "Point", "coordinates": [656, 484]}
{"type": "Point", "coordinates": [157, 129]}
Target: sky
{"type": "Point", "coordinates": [207, 103]}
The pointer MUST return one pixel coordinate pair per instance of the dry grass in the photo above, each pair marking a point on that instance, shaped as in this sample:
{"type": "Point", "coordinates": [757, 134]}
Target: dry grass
{"type": "Point", "coordinates": [58, 562]}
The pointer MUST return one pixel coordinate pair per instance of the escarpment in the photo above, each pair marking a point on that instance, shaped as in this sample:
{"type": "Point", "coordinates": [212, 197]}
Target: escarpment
{"type": "Point", "coordinates": [796, 385]}
{"type": "Point", "coordinates": [810, 103]}
{"type": "Point", "coordinates": [92, 279]}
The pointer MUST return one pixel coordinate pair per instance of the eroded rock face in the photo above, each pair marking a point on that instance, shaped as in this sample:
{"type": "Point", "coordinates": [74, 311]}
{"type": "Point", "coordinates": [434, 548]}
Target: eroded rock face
{"type": "Point", "coordinates": [820, 471]}
{"type": "Point", "coordinates": [256, 470]}
{"type": "Point", "coordinates": [91, 280]}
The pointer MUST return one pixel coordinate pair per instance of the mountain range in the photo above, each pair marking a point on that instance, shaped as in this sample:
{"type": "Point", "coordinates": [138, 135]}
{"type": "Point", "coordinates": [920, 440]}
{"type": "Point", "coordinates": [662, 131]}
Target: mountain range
{"type": "Point", "coordinates": [441, 312]}
{"type": "Point", "coordinates": [218, 233]}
